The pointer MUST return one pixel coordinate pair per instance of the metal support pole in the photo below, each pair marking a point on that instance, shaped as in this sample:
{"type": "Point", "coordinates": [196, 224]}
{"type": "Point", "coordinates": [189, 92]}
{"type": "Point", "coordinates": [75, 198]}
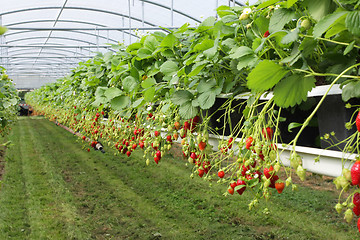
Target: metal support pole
{"type": "Point", "coordinates": [216, 6]}
{"type": "Point", "coordinates": [172, 13]}
{"type": "Point", "coordinates": [129, 21]}
{"type": "Point", "coordinates": [142, 15]}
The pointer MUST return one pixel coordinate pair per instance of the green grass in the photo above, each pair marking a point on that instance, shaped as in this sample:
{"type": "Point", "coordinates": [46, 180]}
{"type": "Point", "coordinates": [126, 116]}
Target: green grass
{"type": "Point", "coordinates": [54, 189]}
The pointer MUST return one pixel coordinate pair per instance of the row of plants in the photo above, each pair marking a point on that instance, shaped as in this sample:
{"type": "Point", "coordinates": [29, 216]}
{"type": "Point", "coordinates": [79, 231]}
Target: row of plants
{"type": "Point", "coordinates": [8, 99]}
{"type": "Point", "coordinates": [163, 88]}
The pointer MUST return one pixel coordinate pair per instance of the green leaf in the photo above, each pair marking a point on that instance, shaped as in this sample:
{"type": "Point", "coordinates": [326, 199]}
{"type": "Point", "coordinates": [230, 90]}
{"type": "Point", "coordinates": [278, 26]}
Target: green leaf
{"type": "Point", "coordinates": [280, 17]}
{"type": "Point", "coordinates": [351, 90]}
{"type": "Point", "coordinates": [206, 24]}
{"type": "Point", "coordinates": [240, 52]}
{"type": "Point", "coordinates": [289, 3]}
{"type": "Point", "coordinates": [265, 75]}
{"type": "Point", "coordinates": [196, 69]}
{"type": "Point", "coordinates": [307, 46]}
{"type": "Point", "coordinates": [203, 45]}
{"type": "Point", "coordinates": [325, 23]}
{"type": "Point", "coordinates": [169, 68]}
{"type": "Point", "coordinates": [267, 3]}
{"type": "Point", "coordinates": [112, 92]}
{"type": "Point", "coordinates": [293, 90]}
{"type": "Point", "coordinates": [129, 84]}
{"type": "Point", "coordinates": [211, 52]}
{"type": "Point", "coordinates": [318, 8]}
{"type": "Point", "coordinates": [352, 22]}
{"type": "Point", "coordinates": [246, 61]}
{"type": "Point", "coordinates": [149, 94]}
{"type": "Point", "coordinates": [224, 10]}
{"type": "Point", "coordinates": [169, 41]}
{"type": "Point", "coordinates": [206, 99]}
{"type": "Point", "coordinates": [120, 102]}
{"type": "Point", "coordinates": [349, 47]}
{"type": "Point", "coordinates": [150, 43]}
{"type": "Point", "coordinates": [149, 82]}
{"type": "Point", "coordinates": [165, 108]}
{"type": "Point", "coordinates": [292, 36]}
{"type": "Point", "coordinates": [100, 91]}
{"type": "Point", "coordinates": [181, 96]}
{"type": "Point", "coordinates": [138, 102]}
{"type": "Point", "coordinates": [187, 110]}
{"type": "Point", "coordinates": [205, 86]}
{"type": "Point", "coordinates": [293, 125]}
{"type": "Point", "coordinates": [294, 56]}
{"type": "Point", "coordinates": [144, 53]}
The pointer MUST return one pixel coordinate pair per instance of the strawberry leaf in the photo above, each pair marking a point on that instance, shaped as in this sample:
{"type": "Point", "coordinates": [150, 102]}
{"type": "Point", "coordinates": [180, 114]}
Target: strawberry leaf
{"type": "Point", "coordinates": [181, 96]}
{"type": "Point", "coordinates": [120, 102]}
{"type": "Point", "coordinates": [187, 110]}
{"type": "Point", "coordinates": [265, 75]}
{"type": "Point", "coordinates": [352, 22]}
{"type": "Point", "coordinates": [293, 90]}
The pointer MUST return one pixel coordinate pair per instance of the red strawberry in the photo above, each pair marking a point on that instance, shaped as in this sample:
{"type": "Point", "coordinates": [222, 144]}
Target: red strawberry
{"type": "Point", "coordinates": [231, 191]}
{"type": "Point", "coordinates": [239, 183]}
{"type": "Point", "coordinates": [177, 125]}
{"type": "Point", "coordinates": [273, 180]}
{"type": "Point", "coordinates": [267, 133]}
{"type": "Point", "coordinates": [206, 166]}
{"type": "Point", "coordinates": [356, 199]}
{"type": "Point", "coordinates": [248, 142]}
{"type": "Point", "coordinates": [158, 154]}
{"type": "Point", "coordinates": [83, 138]}
{"type": "Point", "coordinates": [196, 119]}
{"type": "Point", "coordinates": [156, 159]}
{"type": "Point", "coordinates": [266, 34]}
{"type": "Point", "coordinates": [134, 146]}
{"type": "Point", "coordinates": [358, 122]}
{"type": "Point", "coordinates": [168, 138]}
{"type": "Point", "coordinates": [128, 153]}
{"type": "Point", "coordinates": [102, 112]}
{"type": "Point", "coordinates": [233, 185]}
{"type": "Point", "coordinates": [230, 142]}
{"type": "Point", "coordinates": [279, 185]}
{"type": "Point", "coordinates": [141, 144]}
{"type": "Point", "coordinates": [244, 170]}
{"type": "Point", "coordinates": [358, 224]}
{"type": "Point", "coordinates": [97, 115]}
{"type": "Point", "coordinates": [355, 173]}
{"type": "Point", "coordinates": [221, 174]}
{"type": "Point", "coordinates": [202, 146]}
{"type": "Point", "coordinates": [193, 155]}
{"type": "Point", "coordinates": [356, 210]}
{"type": "Point", "coordinates": [175, 136]}
{"type": "Point", "coordinates": [88, 149]}
{"type": "Point", "coordinates": [201, 172]}
{"type": "Point", "coordinates": [156, 133]}
{"type": "Point", "coordinates": [186, 125]}
{"type": "Point", "coordinates": [268, 171]}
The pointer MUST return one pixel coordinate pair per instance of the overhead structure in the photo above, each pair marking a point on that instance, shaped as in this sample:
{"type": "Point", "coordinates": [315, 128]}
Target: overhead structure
{"type": "Point", "coordinates": [46, 38]}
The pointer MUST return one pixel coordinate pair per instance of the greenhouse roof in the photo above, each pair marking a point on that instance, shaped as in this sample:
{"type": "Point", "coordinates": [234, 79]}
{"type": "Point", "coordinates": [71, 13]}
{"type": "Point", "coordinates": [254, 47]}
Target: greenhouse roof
{"type": "Point", "coordinates": [46, 38]}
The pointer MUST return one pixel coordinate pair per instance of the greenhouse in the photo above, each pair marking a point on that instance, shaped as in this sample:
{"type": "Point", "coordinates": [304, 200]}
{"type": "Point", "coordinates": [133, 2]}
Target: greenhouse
{"type": "Point", "coordinates": [178, 119]}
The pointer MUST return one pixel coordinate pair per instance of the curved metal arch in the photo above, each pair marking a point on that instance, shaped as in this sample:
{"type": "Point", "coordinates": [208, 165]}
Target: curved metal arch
{"type": "Point", "coordinates": [77, 8]}
{"type": "Point", "coordinates": [57, 49]}
{"type": "Point", "coordinates": [76, 31]}
{"type": "Point", "coordinates": [169, 8]}
{"type": "Point", "coordinates": [30, 61]}
{"type": "Point", "coordinates": [71, 21]}
{"type": "Point", "coordinates": [62, 38]}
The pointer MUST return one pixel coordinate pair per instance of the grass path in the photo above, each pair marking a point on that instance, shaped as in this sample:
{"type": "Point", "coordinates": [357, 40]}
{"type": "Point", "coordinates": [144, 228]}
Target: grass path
{"type": "Point", "coordinates": [53, 189]}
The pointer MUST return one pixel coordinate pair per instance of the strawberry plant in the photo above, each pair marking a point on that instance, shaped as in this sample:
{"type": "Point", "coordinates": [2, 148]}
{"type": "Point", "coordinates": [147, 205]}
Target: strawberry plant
{"type": "Point", "coordinates": [163, 88]}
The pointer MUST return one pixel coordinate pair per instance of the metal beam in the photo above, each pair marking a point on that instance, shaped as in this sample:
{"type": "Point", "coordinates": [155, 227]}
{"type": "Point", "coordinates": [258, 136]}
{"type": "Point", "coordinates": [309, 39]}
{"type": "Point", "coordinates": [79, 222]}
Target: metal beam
{"type": "Point", "coordinates": [88, 29]}
{"type": "Point", "coordinates": [53, 46]}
